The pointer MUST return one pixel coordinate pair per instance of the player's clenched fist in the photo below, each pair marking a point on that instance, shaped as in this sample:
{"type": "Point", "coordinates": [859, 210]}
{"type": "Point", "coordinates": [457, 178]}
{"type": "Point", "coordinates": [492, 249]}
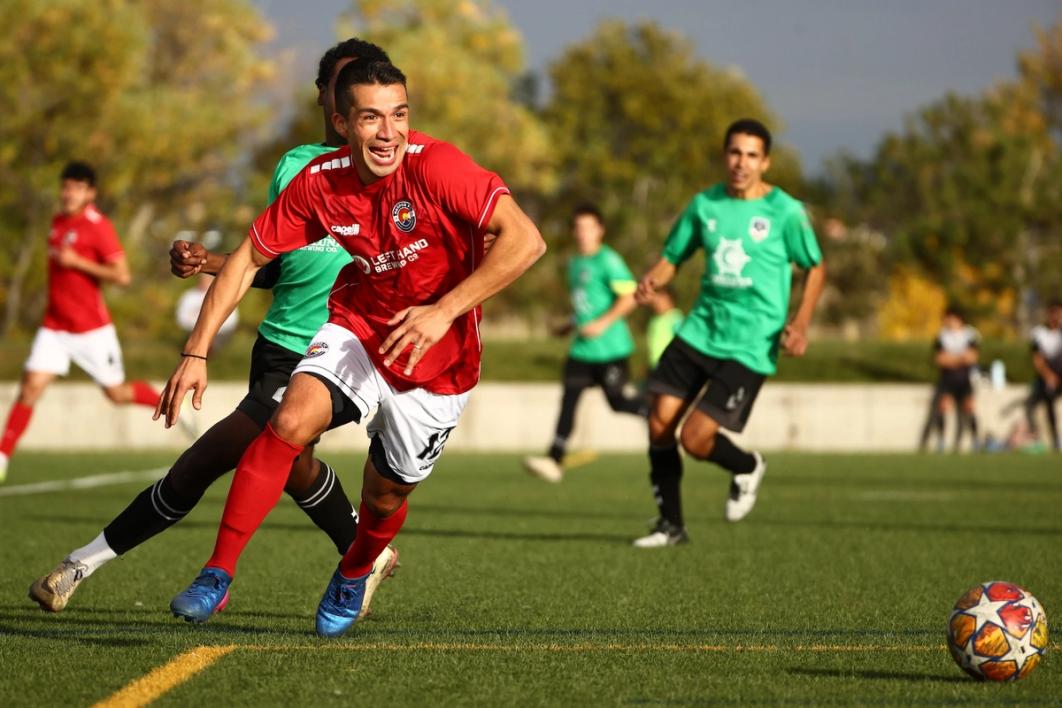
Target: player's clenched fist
{"type": "Point", "coordinates": [187, 258]}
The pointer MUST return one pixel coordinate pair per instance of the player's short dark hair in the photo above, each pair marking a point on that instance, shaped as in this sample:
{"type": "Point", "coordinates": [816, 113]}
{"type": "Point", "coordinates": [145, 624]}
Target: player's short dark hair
{"type": "Point", "coordinates": [588, 209]}
{"type": "Point", "coordinates": [352, 48]}
{"type": "Point", "coordinates": [79, 172]}
{"type": "Point", "coordinates": [954, 310]}
{"type": "Point", "coordinates": [748, 126]}
{"type": "Point", "coordinates": [1054, 303]}
{"type": "Point", "coordinates": [361, 72]}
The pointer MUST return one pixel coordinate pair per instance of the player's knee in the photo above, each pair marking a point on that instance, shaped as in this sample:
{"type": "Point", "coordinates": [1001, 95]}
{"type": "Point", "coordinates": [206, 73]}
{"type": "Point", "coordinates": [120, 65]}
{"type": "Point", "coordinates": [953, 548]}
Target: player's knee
{"type": "Point", "coordinates": [289, 423]}
{"type": "Point", "coordinates": [117, 394]}
{"type": "Point", "coordinates": [695, 443]}
{"type": "Point", "coordinates": [381, 504]}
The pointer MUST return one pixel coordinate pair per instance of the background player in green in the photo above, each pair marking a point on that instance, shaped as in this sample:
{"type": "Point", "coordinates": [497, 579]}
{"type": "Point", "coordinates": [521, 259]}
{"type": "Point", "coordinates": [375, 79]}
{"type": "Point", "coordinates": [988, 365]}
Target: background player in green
{"type": "Point", "coordinates": [602, 295]}
{"type": "Point", "coordinates": [301, 282]}
{"type": "Point", "coordinates": [750, 232]}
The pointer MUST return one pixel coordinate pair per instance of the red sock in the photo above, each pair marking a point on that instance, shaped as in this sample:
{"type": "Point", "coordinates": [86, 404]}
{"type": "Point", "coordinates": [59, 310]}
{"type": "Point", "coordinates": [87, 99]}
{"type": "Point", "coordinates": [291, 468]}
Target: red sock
{"type": "Point", "coordinates": [256, 489]}
{"type": "Point", "coordinates": [17, 420]}
{"type": "Point", "coordinates": [144, 394]}
{"type": "Point", "coordinates": [374, 533]}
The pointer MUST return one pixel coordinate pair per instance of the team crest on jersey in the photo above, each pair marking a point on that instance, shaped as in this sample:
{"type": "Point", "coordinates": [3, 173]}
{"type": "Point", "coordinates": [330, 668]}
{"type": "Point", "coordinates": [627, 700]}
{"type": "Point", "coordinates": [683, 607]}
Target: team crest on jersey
{"type": "Point", "coordinates": [363, 264]}
{"type": "Point", "coordinates": [404, 216]}
{"type": "Point", "coordinates": [316, 349]}
{"type": "Point", "coordinates": [759, 228]}
{"type": "Point", "coordinates": [69, 238]}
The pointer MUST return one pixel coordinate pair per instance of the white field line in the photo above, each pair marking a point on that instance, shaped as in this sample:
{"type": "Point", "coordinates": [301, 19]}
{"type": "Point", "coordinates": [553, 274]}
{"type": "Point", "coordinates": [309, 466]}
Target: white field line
{"type": "Point", "coordinates": [96, 480]}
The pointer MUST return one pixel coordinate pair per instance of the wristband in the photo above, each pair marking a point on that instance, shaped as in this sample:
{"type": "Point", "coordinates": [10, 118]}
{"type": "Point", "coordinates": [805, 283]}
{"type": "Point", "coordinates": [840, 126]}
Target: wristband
{"type": "Point", "coordinates": [193, 356]}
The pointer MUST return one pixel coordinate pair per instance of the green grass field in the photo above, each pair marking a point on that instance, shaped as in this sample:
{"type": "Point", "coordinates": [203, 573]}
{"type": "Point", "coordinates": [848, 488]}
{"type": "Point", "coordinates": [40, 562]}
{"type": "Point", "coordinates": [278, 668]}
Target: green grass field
{"type": "Point", "coordinates": [836, 590]}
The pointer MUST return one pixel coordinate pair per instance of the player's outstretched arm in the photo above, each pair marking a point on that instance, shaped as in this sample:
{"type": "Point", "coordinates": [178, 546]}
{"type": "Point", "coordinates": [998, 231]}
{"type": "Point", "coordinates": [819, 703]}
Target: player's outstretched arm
{"type": "Point", "coordinates": [795, 334]}
{"type": "Point", "coordinates": [221, 299]}
{"type": "Point", "coordinates": [657, 277]}
{"type": "Point", "coordinates": [517, 246]}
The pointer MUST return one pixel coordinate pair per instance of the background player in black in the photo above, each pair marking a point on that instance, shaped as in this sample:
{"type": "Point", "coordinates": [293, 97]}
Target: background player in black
{"type": "Point", "coordinates": [955, 354]}
{"type": "Point", "coordinates": [1047, 360]}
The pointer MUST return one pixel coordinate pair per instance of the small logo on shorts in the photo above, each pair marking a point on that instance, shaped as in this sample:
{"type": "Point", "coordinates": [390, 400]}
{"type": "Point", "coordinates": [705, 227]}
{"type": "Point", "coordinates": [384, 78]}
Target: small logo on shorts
{"type": "Point", "coordinates": [735, 399]}
{"type": "Point", "coordinates": [404, 216]}
{"type": "Point", "coordinates": [316, 349]}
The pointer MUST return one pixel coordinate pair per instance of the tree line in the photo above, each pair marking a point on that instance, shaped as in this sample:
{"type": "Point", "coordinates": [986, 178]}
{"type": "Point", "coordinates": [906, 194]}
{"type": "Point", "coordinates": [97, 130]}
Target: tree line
{"type": "Point", "coordinates": [176, 104]}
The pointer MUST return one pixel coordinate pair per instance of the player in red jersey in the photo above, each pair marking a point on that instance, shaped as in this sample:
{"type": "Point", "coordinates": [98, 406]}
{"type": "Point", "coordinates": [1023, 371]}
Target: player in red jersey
{"type": "Point", "coordinates": [83, 251]}
{"type": "Point", "coordinates": [403, 330]}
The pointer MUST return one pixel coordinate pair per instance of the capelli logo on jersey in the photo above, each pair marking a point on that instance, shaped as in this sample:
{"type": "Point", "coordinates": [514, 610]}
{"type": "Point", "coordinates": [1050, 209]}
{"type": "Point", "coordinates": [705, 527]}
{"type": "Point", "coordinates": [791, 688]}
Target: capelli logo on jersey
{"type": "Point", "coordinates": [404, 216]}
{"type": "Point", "coordinates": [352, 230]}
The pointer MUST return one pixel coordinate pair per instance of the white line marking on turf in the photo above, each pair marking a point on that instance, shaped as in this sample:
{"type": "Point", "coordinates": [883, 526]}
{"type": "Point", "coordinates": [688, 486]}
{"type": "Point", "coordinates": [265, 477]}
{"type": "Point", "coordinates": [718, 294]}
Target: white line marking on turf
{"type": "Point", "coordinates": [96, 480]}
{"type": "Point", "coordinates": [904, 495]}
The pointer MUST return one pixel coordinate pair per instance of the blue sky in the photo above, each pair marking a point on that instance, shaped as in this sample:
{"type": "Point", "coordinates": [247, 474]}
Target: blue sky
{"type": "Point", "coordinates": [839, 73]}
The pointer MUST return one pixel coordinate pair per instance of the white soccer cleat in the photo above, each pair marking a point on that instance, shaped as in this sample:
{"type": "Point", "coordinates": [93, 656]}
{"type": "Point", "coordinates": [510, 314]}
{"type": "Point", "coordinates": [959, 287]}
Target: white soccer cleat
{"type": "Point", "coordinates": [382, 569]}
{"type": "Point", "coordinates": [545, 468]}
{"type": "Point", "coordinates": [3, 468]}
{"type": "Point", "coordinates": [664, 534]}
{"type": "Point", "coordinates": [743, 490]}
{"type": "Point", "coordinates": [54, 590]}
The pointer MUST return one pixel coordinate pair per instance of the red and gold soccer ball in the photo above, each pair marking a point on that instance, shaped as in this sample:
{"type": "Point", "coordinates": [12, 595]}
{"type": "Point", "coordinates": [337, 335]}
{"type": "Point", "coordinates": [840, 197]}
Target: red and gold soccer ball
{"type": "Point", "coordinates": [997, 631]}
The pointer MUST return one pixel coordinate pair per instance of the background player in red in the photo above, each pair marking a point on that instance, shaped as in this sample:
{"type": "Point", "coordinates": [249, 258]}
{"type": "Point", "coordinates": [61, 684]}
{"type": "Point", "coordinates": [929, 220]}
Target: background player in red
{"type": "Point", "coordinates": [402, 334]}
{"type": "Point", "coordinates": [83, 251]}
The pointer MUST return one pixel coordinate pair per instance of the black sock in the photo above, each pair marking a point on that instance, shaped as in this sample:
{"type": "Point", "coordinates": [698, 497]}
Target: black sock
{"type": "Point", "coordinates": [971, 422]}
{"type": "Point", "coordinates": [556, 450]}
{"type": "Point", "coordinates": [154, 510]}
{"type": "Point", "coordinates": [665, 474]}
{"type": "Point", "coordinates": [731, 457]}
{"type": "Point", "coordinates": [327, 505]}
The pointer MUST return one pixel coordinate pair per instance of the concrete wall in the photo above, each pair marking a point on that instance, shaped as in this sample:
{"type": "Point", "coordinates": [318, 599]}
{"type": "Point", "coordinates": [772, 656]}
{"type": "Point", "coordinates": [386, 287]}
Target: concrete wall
{"type": "Point", "coordinates": [520, 417]}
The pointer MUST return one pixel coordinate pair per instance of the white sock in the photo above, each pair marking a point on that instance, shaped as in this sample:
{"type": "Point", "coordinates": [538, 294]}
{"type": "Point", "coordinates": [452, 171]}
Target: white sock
{"type": "Point", "coordinates": [94, 555]}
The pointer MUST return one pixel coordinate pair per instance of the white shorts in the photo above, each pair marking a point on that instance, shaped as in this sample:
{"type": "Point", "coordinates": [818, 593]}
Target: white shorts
{"type": "Point", "coordinates": [97, 352]}
{"type": "Point", "coordinates": [412, 425]}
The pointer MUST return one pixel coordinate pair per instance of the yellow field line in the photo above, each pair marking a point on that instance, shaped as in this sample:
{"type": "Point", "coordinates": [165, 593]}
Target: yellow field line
{"type": "Point", "coordinates": [160, 680]}
{"type": "Point", "coordinates": [154, 684]}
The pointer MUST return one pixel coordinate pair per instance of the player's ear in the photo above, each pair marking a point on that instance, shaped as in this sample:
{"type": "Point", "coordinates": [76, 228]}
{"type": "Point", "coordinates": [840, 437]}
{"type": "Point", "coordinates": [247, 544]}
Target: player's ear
{"type": "Point", "coordinates": [766, 162]}
{"type": "Point", "coordinates": [339, 122]}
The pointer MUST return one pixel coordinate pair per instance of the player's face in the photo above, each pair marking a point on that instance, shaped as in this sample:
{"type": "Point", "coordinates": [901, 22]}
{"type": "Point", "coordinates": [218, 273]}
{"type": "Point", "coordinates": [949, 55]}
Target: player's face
{"type": "Point", "coordinates": [75, 195]}
{"type": "Point", "coordinates": [326, 99]}
{"type": "Point", "coordinates": [588, 233]}
{"type": "Point", "coordinates": [745, 162]}
{"type": "Point", "coordinates": [952, 322]}
{"type": "Point", "coordinates": [378, 129]}
{"type": "Point", "coordinates": [1054, 317]}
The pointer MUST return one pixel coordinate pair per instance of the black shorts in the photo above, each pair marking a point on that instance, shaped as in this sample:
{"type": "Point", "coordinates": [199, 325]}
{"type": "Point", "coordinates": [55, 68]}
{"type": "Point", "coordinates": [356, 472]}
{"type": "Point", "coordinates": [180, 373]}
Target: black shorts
{"type": "Point", "coordinates": [958, 388]}
{"type": "Point", "coordinates": [271, 367]}
{"type": "Point", "coordinates": [606, 374]}
{"type": "Point", "coordinates": [683, 372]}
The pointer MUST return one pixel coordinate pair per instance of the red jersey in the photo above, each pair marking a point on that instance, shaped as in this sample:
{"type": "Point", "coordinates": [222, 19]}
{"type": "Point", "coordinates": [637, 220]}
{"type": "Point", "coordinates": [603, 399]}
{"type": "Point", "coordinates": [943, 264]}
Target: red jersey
{"type": "Point", "coordinates": [413, 235]}
{"type": "Point", "coordinates": [75, 303]}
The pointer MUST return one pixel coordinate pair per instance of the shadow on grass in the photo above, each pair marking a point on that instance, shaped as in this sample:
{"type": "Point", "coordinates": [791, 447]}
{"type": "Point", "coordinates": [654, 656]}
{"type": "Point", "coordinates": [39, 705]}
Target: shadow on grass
{"type": "Point", "coordinates": [876, 675]}
{"type": "Point", "coordinates": [980, 529]}
{"type": "Point", "coordinates": [481, 534]}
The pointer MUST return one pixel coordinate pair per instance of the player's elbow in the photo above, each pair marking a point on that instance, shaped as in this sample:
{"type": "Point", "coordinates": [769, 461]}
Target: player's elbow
{"type": "Point", "coordinates": [538, 244]}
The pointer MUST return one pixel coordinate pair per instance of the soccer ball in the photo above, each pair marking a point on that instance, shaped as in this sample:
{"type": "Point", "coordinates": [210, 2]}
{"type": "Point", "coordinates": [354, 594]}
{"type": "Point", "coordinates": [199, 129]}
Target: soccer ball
{"type": "Point", "coordinates": [997, 631]}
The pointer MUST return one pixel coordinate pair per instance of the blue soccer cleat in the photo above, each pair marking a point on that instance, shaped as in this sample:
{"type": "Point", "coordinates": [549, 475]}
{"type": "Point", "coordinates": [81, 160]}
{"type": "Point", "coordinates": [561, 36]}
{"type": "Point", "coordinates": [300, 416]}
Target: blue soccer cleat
{"type": "Point", "coordinates": [341, 604]}
{"type": "Point", "coordinates": [208, 594]}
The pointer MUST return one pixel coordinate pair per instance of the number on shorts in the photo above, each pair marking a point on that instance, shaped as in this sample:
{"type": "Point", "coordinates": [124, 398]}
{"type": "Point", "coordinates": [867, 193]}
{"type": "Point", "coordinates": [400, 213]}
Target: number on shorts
{"type": "Point", "coordinates": [435, 444]}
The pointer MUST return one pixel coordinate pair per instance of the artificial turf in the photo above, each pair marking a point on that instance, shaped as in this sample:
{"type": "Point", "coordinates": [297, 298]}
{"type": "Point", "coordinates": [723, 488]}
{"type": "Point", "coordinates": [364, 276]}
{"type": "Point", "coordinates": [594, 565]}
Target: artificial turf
{"type": "Point", "coordinates": [835, 590]}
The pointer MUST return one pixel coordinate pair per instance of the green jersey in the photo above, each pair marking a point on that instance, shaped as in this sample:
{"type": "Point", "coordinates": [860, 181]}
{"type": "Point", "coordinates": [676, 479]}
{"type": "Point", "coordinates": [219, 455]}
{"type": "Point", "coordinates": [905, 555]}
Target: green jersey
{"type": "Point", "coordinates": [659, 333]}
{"type": "Point", "coordinates": [300, 296]}
{"type": "Point", "coordinates": [748, 247]}
{"type": "Point", "coordinates": [595, 282]}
